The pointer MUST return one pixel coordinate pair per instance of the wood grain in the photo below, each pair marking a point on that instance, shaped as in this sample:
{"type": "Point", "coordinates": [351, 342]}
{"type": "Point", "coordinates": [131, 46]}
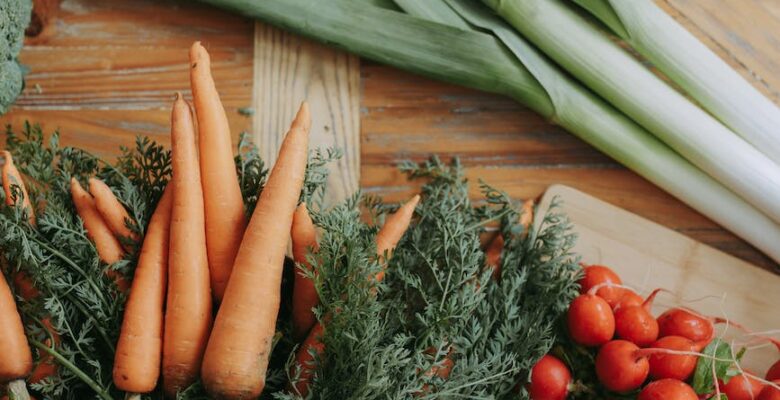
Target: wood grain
{"type": "Point", "coordinates": [289, 69]}
{"type": "Point", "coordinates": [647, 256]}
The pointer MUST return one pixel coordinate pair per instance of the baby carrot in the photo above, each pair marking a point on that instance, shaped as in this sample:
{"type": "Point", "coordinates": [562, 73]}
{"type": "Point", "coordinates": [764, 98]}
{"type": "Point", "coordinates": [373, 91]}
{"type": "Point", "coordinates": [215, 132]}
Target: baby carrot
{"type": "Point", "coordinates": [304, 240]}
{"type": "Point", "coordinates": [109, 207]}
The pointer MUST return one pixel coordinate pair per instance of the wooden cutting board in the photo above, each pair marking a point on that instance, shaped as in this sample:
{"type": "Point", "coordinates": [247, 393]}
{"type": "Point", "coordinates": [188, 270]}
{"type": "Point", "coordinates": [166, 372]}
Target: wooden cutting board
{"type": "Point", "coordinates": [649, 256]}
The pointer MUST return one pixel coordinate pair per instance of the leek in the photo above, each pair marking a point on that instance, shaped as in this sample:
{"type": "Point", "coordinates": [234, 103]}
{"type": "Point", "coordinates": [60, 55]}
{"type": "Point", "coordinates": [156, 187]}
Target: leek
{"type": "Point", "coordinates": [478, 60]}
{"type": "Point", "coordinates": [588, 54]}
{"type": "Point", "coordinates": [695, 68]}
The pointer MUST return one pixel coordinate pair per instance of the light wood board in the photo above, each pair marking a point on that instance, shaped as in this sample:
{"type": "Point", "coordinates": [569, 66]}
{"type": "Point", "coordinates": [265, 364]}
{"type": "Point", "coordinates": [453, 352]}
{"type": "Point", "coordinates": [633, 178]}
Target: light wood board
{"type": "Point", "coordinates": [648, 256]}
{"type": "Point", "coordinates": [289, 69]}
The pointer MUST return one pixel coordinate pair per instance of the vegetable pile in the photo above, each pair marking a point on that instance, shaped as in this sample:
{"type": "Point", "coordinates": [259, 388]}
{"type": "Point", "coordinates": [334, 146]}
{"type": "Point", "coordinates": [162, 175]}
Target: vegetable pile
{"type": "Point", "coordinates": [164, 274]}
{"type": "Point", "coordinates": [616, 348]}
{"type": "Point", "coordinates": [690, 124]}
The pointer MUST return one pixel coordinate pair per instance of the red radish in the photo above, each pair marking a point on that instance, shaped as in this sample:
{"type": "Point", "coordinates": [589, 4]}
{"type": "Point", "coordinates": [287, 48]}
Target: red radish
{"type": "Point", "coordinates": [742, 387]}
{"type": "Point", "coordinates": [621, 367]}
{"type": "Point", "coordinates": [681, 322]}
{"type": "Point", "coordinates": [673, 366]}
{"type": "Point", "coordinates": [590, 320]}
{"type": "Point", "coordinates": [636, 324]}
{"type": "Point", "coordinates": [629, 298]}
{"type": "Point", "coordinates": [550, 379]}
{"type": "Point", "coordinates": [601, 275]}
{"type": "Point", "coordinates": [770, 392]}
{"type": "Point", "coordinates": [773, 373]}
{"type": "Point", "coordinates": [667, 389]}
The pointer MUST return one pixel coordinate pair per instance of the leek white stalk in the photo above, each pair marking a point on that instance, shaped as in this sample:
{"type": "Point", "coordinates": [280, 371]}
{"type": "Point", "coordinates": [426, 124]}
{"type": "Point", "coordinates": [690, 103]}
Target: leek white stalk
{"type": "Point", "coordinates": [479, 60]}
{"type": "Point", "coordinates": [695, 68]}
{"type": "Point", "coordinates": [588, 54]}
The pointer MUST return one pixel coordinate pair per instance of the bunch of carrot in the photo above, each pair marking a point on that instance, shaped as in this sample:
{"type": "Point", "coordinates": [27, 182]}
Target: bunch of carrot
{"type": "Point", "coordinates": [639, 352]}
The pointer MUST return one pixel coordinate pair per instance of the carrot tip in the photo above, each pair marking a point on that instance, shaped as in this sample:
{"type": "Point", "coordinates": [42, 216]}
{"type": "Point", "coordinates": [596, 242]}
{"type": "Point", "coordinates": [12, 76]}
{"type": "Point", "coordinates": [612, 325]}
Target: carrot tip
{"type": "Point", "coordinates": [303, 117]}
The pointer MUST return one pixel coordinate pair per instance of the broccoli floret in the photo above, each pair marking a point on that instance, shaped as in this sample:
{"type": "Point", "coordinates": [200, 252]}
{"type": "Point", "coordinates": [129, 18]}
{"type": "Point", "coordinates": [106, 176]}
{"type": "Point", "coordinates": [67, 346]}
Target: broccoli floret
{"type": "Point", "coordinates": [14, 18]}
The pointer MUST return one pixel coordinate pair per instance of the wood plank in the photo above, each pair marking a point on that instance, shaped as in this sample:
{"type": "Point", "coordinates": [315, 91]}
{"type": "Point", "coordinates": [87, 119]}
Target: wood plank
{"type": "Point", "coordinates": [742, 32]}
{"type": "Point", "coordinates": [289, 69]}
{"type": "Point", "coordinates": [648, 256]}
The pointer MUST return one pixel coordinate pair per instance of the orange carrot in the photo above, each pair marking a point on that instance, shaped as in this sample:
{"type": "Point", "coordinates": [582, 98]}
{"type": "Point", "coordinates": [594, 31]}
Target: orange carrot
{"type": "Point", "coordinates": [387, 238]}
{"type": "Point", "coordinates": [239, 348]}
{"type": "Point", "coordinates": [225, 218]}
{"type": "Point", "coordinates": [138, 352]}
{"type": "Point", "coordinates": [11, 176]}
{"type": "Point", "coordinates": [527, 213]}
{"type": "Point", "coordinates": [496, 246]}
{"type": "Point", "coordinates": [108, 248]}
{"type": "Point", "coordinates": [112, 211]}
{"type": "Point", "coordinates": [16, 359]}
{"type": "Point", "coordinates": [394, 228]}
{"type": "Point", "coordinates": [304, 240]}
{"type": "Point", "coordinates": [188, 314]}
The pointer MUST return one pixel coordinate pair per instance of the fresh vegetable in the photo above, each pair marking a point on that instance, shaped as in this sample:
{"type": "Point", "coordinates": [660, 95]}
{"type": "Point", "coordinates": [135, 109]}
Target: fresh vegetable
{"type": "Point", "coordinates": [15, 16]}
{"type": "Point", "coordinates": [386, 239]}
{"type": "Point", "coordinates": [108, 247]}
{"type": "Point", "coordinates": [742, 387]}
{"type": "Point", "coordinates": [607, 69]}
{"type": "Point", "coordinates": [16, 361]}
{"type": "Point", "coordinates": [688, 62]}
{"type": "Point", "coordinates": [110, 209]}
{"type": "Point", "coordinates": [629, 298]}
{"type": "Point", "coordinates": [478, 57]}
{"type": "Point", "coordinates": [773, 373]}
{"type": "Point", "coordinates": [305, 298]}
{"type": "Point", "coordinates": [770, 392]}
{"type": "Point", "coordinates": [636, 324]}
{"type": "Point", "coordinates": [139, 349]}
{"type": "Point", "coordinates": [496, 246]}
{"type": "Point", "coordinates": [550, 379]}
{"type": "Point", "coordinates": [673, 366]}
{"type": "Point", "coordinates": [225, 217]}
{"type": "Point", "coordinates": [604, 277]}
{"type": "Point", "coordinates": [13, 179]}
{"type": "Point", "coordinates": [621, 367]}
{"type": "Point", "coordinates": [249, 309]}
{"type": "Point", "coordinates": [590, 320]}
{"type": "Point", "coordinates": [667, 389]}
{"type": "Point", "coordinates": [685, 323]}
{"type": "Point", "coordinates": [188, 310]}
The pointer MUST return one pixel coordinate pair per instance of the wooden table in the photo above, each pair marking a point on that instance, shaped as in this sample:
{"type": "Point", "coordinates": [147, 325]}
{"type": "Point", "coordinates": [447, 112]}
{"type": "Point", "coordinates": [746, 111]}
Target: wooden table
{"type": "Point", "coordinates": [105, 71]}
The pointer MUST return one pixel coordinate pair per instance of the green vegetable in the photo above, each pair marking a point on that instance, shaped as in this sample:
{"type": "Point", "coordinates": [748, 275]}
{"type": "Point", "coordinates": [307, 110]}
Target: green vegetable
{"type": "Point", "coordinates": [480, 60]}
{"type": "Point", "coordinates": [588, 54]}
{"type": "Point", "coordinates": [718, 353]}
{"type": "Point", "coordinates": [14, 18]}
{"type": "Point", "coordinates": [693, 66]}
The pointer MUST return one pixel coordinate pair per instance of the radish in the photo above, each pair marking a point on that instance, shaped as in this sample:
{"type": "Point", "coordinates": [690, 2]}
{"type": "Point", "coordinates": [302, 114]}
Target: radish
{"type": "Point", "coordinates": [681, 322]}
{"type": "Point", "coordinates": [590, 320]}
{"type": "Point", "coordinates": [550, 379]}
{"type": "Point", "coordinates": [601, 275]}
{"type": "Point", "coordinates": [620, 366]}
{"type": "Point", "coordinates": [673, 366]}
{"type": "Point", "coordinates": [770, 392]}
{"type": "Point", "coordinates": [629, 298]}
{"type": "Point", "coordinates": [743, 387]}
{"type": "Point", "coordinates": [773, 373]}
{"type": "Point", "coordinates": [636, 324]}
{"type": "Point", "coordinates": [667, 389]}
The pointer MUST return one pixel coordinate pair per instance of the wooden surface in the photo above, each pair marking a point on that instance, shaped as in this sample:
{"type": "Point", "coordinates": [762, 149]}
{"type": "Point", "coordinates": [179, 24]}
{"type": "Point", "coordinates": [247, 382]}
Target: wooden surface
{"type": "Point", "coordinates": [103, 71]}
{"type": "Point", "coordinates": [649, 256]}
{"type": "Point", "coordinates": [290, 69]}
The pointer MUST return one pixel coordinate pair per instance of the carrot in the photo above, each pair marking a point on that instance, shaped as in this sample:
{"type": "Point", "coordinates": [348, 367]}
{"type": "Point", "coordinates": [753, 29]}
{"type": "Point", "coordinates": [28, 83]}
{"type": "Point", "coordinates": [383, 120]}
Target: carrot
{"type": "Point", "coordinates": [394, 228]}
{"type": "Point", "coordinates": [188, 315]}
{"type": "Point", "coordinates": [112, 211]}
{"type": "Point", "coordinates": [304, 239]}
{"type": "Point", "coordinates": [108, 248]}
{"type": "Point", "coordinates": [387, 238]}
{"type": "Point", "coordinates": [138, 352]}
{"type": "Point", "coordinates": [16, 360]}
{"type": "Point", "coordinates": [496, 246]}
{"type": "Point", "coordinates": [239, 348]}
{"type": "Point", "coordinates": [225, 218]}
{"type": "Point", "coordinates": [12, 177]}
